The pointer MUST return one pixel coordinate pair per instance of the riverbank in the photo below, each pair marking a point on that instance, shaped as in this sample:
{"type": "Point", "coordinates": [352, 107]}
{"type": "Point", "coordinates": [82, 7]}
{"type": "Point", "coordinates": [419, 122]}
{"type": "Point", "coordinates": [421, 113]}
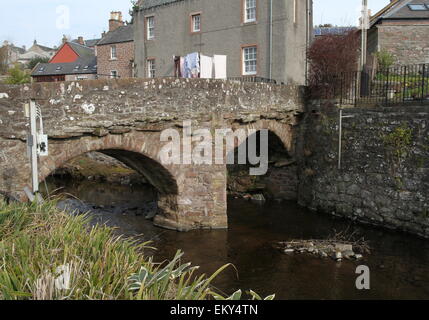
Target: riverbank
{"type": "Point", "coordinates": [49, 254]}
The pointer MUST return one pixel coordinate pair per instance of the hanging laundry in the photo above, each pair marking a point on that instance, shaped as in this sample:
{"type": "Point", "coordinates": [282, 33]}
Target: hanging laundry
{"type": "Point", "coordinates": [192, 65]}
{"type": "Point", "coordinates": [177, 71]}
{"type": "Point", "coordinates": [220, 66]}
{"type": "Point", "coordinates": [206, 67]}
{"type": "Point", "coordinates": [182, 67]}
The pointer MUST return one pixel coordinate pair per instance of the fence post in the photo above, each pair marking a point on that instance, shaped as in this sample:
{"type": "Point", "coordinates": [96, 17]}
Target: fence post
{"type": "Point", "coordinates": [423, 83]}
{"type": "Point", "coordinates": [356, 87]}
{"type": "Point", "coordinates": [387, 87]}
{"type": "Point", "coordinates": [404, 87]}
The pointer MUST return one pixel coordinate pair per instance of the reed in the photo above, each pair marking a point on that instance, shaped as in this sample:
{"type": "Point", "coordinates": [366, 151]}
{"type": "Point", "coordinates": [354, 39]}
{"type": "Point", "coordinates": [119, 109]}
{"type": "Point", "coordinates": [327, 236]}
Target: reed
{"type": "Point", "coordinates": [47, 254]}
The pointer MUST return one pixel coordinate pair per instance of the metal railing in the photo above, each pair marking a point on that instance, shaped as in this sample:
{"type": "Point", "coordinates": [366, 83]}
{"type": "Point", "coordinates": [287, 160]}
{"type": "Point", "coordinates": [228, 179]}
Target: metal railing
{"type": "Point", "coordinates": [387, 87]}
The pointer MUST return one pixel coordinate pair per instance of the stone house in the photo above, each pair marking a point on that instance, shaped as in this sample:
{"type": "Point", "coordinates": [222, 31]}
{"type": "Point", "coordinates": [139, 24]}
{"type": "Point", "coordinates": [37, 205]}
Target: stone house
{"type": "Point", "coordinates": [402, 29]}
{"type": "Point", "coordinates": [36, 51]}
{"type": "Point", "coordinates": [115, 51]}
{"type": "Point", "coordinates": [261, 38]}
{"type": "Point", "coordinates": [12, 52]}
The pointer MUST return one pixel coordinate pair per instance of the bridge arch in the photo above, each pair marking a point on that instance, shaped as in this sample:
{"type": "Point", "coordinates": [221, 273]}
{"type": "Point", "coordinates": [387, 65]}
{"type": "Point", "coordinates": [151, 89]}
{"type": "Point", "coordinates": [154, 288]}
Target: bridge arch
{"type": "Point", "coordinates": [135, 150]}
{"type": "Point", "coordinates": [280, 181]}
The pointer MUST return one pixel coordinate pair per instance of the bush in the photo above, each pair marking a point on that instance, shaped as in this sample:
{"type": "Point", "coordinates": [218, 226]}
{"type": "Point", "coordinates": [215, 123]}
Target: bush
{"type": "Point", "coordinates": [385, 59]}
{"type": "Point", "coordinates": [328, 57]}
{"type": "Point", "coordinates": [17, 75]}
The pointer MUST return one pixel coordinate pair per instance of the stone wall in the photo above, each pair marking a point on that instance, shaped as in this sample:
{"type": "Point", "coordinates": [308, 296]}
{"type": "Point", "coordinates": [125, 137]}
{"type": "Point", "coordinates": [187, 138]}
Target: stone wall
{"type": "Point", "coordinates": [408, 42]}
{"type": "Point", "coordinates": [384, 179]}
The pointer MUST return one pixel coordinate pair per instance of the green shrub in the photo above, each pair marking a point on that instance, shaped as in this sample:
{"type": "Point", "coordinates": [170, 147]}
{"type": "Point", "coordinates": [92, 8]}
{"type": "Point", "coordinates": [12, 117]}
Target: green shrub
{"type": "Point", "coordinates": [17, 75]}
{"type": "Point", "coordinates": [385, 59]}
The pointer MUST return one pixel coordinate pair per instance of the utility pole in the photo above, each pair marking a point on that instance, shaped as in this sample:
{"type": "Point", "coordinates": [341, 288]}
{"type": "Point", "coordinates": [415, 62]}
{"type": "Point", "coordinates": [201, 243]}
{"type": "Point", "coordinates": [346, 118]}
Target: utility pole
{"type": "Point", "coordinates": [364, 32]}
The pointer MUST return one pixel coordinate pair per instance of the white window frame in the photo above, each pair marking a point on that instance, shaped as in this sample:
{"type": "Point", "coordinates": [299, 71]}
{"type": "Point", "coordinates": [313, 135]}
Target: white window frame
{"type": "Point", "coordinates": [248, 10]}
{"type": "Point", "coordinates": [113, 52]}
{"type": "Point", "coordinates": [246, 60]}
{"type": "Point", "coordinates": [194, 21]}
{"type": "Point", "coordinates": [150, 28]}
{"type": "Point", "coordinates": [151, 68]}
{"type": "Point", "coordinates": [113, 74]}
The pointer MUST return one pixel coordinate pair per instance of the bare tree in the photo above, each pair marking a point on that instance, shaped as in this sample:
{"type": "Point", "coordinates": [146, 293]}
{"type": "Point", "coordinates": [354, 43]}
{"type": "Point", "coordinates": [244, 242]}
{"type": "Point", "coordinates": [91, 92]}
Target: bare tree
{"type": "Point", "coordinates": [3, 59]}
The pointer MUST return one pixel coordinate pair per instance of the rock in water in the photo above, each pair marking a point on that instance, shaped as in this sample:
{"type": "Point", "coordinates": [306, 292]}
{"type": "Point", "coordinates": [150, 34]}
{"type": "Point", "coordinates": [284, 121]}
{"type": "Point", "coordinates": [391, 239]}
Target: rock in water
{"type": "Point", "coordinates": [258, 198]}
{"type": "Point", "coordinates": [348, 254]}
{"type": "Point", "coordinates": [343, 247]}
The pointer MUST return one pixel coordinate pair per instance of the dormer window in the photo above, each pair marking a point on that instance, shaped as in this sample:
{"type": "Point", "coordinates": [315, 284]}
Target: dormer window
{"type": "Point", "coordinates": [86, 68]}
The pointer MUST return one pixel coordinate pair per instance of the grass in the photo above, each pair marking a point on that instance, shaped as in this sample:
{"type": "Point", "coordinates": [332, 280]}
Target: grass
{"type": "Point", "coordinates": [46, 254]}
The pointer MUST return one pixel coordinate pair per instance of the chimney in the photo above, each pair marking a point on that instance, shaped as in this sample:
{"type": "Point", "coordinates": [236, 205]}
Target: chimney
{"type": "Point", "coordinates": [64, 40]}
{"type": "Point", "coordinates": [115, 20]}
{"type": "Point", "coordinates": [80, 41]}
{"type": "Point", "coordinates": [103, 34]}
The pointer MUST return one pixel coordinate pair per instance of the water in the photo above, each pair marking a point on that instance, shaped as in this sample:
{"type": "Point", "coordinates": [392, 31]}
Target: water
{"type": "Point", "coordinates": [399, 263]}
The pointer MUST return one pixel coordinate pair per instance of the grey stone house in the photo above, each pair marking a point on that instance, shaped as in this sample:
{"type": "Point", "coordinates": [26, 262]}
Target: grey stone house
{"type": "Point", "coordinates": [402, 29]}
{"type": "Point", "coordinates": [263, 38]}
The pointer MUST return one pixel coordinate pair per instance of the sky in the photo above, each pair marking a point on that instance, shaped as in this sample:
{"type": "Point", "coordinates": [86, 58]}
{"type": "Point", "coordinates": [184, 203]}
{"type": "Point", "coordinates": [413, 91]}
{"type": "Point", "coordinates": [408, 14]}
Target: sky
{"type": "Point", "coordinates": [23, 21]}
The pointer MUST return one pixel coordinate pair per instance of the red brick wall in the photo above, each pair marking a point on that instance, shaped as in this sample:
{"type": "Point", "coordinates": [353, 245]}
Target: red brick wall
{"type": "Point", "coordinates": [122, 64]}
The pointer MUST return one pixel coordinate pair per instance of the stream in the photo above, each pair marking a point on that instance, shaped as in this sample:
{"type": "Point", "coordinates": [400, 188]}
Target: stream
{"type": "Point", "coordinates": [399, 263]}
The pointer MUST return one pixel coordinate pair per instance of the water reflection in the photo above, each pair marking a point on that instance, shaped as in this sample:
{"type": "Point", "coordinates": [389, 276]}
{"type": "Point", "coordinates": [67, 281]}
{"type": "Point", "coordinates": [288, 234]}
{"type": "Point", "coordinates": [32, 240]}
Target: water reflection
{"type": "Point", "coordinates": [399, 263]}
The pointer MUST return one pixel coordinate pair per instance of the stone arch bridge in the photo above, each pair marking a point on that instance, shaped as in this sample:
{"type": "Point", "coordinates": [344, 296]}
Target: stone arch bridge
{"type": "Point", "coordinates": [125, 118]}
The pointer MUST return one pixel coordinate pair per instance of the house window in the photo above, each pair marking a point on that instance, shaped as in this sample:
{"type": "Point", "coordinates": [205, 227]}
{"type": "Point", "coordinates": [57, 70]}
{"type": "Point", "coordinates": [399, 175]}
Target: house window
{"type": "Point", "coordinates": [196, 23]}
{"type": "Point", "coordinates": [113, 52]}
{"type": "Point", "coordinates": [113, 74]}
{"type": "Point", "coordinates": [250, 58]}
{"type": "Point", "coordinates": [151, 68]}
{"type": "Point", "coordinates": [249, 10]}
{"type": "Point", "coordinates": [150, 28]}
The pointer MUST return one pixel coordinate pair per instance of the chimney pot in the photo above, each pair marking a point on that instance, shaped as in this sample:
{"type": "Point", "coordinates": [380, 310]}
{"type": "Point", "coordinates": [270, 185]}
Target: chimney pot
{"type": "Point", "coordinates": [81, 41]}
{"type": "Point", "coordinates": [115, 20]}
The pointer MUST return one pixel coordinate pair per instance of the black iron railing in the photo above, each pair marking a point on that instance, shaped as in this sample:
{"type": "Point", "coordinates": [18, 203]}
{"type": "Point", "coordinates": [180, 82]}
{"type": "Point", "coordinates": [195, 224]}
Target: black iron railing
{"type": "Point", "coordinates": [390, 86]}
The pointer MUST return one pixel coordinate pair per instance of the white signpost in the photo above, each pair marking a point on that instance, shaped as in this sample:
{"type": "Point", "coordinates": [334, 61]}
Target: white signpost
{"type": "Point", "coordinates": [37, 143]}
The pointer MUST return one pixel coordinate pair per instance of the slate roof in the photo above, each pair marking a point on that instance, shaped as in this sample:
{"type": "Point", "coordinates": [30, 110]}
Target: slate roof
{"type": "Point", "coordinates": [399, 9]}
{"type": "Point", "coordinates": [121, 34]}
{"type": "Point", "coordinates": [147, 4]}
{"type": "Point", "coordinates": [323, 31]}
{"type": "Point", "coordinates": [44, 48]}
{"type": "Point", "coordinates": [82, 51]}
{"type": "Point", "coordinates": [16, 49]}
{"type": "Point", "coordinates": [88, 43]}
{"type": "Point", "coordinates": [80, 66]}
